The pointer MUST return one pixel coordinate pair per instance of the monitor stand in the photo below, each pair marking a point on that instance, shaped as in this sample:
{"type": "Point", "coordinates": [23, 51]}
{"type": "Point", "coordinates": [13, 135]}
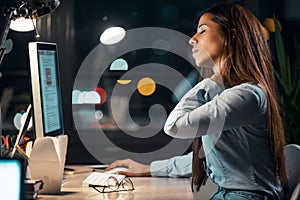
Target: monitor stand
{"type": "Point", "coordinates": [46, 162]}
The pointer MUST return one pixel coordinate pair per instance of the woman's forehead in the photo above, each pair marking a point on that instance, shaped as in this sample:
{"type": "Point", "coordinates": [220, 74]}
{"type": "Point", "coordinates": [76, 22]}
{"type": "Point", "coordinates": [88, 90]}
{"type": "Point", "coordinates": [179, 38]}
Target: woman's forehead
{"type": "Point", "coordinates": [205, 19]}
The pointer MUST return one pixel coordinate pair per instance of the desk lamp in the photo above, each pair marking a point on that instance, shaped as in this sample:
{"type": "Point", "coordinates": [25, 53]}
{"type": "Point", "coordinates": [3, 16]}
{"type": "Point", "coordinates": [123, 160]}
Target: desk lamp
{"type": "Point", "coordinates": [31, 9]}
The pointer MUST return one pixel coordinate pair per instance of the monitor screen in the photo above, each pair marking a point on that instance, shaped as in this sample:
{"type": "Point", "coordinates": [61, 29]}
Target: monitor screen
{"type": "Point", "coordinates": [46, 94]}
{"type": "Point", "coordinates": [12, 176]}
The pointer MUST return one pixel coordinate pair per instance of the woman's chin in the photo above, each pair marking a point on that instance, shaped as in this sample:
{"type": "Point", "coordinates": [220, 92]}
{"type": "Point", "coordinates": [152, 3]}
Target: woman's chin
{"type": "Point", "coordinates": [205, 64]}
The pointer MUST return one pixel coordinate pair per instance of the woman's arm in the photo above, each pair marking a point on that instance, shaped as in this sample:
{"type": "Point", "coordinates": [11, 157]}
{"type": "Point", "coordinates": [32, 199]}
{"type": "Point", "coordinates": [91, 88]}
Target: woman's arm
{"type": "Point", "coordinates": [231, 108]}
{"type": "Point", "coordinates": [178, 166]}
{"type": "Point", "coordinates": [198, 96]}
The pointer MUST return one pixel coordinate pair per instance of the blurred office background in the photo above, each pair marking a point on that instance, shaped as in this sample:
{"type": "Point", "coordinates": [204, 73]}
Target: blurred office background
{"type": "Point", "coordinates": [76, 27]}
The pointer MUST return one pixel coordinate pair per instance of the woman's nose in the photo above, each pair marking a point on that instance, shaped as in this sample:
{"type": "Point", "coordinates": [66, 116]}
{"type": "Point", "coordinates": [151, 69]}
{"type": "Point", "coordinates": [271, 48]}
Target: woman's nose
{"type": "Point", "coordinates": [192, 41]}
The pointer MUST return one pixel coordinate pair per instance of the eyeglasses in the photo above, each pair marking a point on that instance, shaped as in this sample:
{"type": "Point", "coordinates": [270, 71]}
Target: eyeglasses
{"type": "Point", "coordinates": [113, 185]}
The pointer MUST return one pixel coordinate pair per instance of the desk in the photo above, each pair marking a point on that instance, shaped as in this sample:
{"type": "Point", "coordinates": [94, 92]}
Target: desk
{"type": "Point", "coordinates": [146, 188]}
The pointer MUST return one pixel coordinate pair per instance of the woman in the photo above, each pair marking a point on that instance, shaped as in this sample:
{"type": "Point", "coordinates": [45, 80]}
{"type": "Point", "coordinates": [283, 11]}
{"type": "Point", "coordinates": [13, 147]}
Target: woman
{"type": "Point", "coordinates": [234, 113]}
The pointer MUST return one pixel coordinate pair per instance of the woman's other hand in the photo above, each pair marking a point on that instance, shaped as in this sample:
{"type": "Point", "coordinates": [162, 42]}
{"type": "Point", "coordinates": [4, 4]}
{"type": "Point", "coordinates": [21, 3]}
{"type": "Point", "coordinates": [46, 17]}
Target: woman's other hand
{"type": "Point", "coordinates": [134, 168]}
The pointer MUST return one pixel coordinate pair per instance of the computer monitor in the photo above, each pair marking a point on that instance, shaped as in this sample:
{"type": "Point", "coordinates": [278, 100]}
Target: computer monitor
{"type": "Point", "coordinates": [12, 177]}
{"type": "Point", "coordinates": [45, 85]}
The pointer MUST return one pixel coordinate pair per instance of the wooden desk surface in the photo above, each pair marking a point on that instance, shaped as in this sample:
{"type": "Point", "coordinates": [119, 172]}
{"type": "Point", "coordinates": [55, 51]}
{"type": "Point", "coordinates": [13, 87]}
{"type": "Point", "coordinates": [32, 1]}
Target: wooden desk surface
{"type": "Point", "coordinates": [145, 188]}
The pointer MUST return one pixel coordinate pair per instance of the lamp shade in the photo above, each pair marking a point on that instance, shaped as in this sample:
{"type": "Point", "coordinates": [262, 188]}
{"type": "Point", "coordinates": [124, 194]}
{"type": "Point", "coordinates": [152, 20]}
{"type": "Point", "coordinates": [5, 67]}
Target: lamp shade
{"type": "Point", "coordinates": [36, 8]}
{"type": "Point", "coordinates": [22, 24]}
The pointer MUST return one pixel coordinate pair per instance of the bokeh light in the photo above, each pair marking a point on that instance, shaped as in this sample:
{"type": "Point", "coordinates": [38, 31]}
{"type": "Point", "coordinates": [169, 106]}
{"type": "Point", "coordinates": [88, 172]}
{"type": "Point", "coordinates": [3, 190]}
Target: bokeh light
{"type": "Point", "coordinates": [102, 93]}
{"type": "Point", "coordinates": [146, 86]}
{"type": "Point", "coordinates": [8, 46]}
{"type": "Point", "coordinates": [19, 120]}
{"type": "Point", "coordinates": [86, 97]}
{"type": "Point", "coordinates": [119, 64]}
{"type": "Point", "coordinates": [99, 114]}
{"type": "Point", "coordinates": [75, 96]}
{"type": "Point", "coordinates": [123, 82]}
{"type": "Point", "coordinates": [112, 35]}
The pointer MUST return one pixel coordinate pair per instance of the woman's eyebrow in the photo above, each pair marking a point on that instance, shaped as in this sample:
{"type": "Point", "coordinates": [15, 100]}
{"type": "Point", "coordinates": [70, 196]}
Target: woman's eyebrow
{"type": "Point", "coordinates": [200, 25]}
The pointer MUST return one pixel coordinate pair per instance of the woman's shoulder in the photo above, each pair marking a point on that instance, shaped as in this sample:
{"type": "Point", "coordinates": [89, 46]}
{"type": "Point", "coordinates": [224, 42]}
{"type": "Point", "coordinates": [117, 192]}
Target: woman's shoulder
{"type": "Point", "coordinates": [251, 89]}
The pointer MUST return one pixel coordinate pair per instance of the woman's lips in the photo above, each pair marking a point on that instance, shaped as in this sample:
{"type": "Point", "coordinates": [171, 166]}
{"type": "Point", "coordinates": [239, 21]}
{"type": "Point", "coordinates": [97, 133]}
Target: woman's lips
{"type": "Point", "coordinates": [195, 51]}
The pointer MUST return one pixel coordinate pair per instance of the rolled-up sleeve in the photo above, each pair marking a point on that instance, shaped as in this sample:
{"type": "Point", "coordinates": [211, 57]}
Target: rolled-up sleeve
{"type": "Point", "coordinates": [178, 166]}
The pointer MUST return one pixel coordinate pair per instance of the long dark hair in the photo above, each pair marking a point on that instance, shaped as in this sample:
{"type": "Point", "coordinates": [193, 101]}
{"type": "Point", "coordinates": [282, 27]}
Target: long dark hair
{"type": "Point", "coordinates": [248, 59]}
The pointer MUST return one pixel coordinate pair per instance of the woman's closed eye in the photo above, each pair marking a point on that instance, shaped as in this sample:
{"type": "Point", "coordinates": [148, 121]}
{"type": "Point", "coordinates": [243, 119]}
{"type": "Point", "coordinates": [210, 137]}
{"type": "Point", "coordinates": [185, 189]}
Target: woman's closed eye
{"type": "Point", "coordinates": [201, 28]}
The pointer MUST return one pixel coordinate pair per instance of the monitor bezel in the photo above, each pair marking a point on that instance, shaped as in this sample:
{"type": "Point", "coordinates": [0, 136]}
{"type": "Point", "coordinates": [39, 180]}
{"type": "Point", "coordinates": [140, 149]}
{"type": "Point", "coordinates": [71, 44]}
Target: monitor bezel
{"type": "Point", "coordinates": [36, 93]}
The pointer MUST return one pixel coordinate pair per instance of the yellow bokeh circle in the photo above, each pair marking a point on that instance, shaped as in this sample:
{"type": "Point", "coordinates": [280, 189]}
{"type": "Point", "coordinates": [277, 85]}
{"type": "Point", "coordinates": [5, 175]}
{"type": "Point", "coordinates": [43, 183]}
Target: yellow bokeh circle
{"type": "Point", "coordinates": [146, 86]}
{"type": "Point", "coordinates": [266, 32]}
{"type": "Point", "coordinates": [270, 24]}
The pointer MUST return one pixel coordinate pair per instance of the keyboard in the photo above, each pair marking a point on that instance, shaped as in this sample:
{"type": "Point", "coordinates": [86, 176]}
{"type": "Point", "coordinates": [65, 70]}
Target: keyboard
{"type": "Point", "coordinates": [100, 178]}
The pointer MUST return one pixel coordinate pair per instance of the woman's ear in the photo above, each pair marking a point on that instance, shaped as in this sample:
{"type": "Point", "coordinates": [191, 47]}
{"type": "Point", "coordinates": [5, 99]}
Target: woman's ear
{"type": "Point", "coordinates": [233, 35]}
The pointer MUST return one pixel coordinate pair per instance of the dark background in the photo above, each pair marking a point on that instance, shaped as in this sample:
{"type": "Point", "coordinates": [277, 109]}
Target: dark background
{"type": "Point", "coordinates": [76, 26]}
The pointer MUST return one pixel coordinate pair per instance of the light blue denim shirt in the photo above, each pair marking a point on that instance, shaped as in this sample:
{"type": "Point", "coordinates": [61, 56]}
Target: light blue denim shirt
{"type": "Point", "coordinates": [233, 126]}
{"type": "Point", "coordinates": [178, 166]}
